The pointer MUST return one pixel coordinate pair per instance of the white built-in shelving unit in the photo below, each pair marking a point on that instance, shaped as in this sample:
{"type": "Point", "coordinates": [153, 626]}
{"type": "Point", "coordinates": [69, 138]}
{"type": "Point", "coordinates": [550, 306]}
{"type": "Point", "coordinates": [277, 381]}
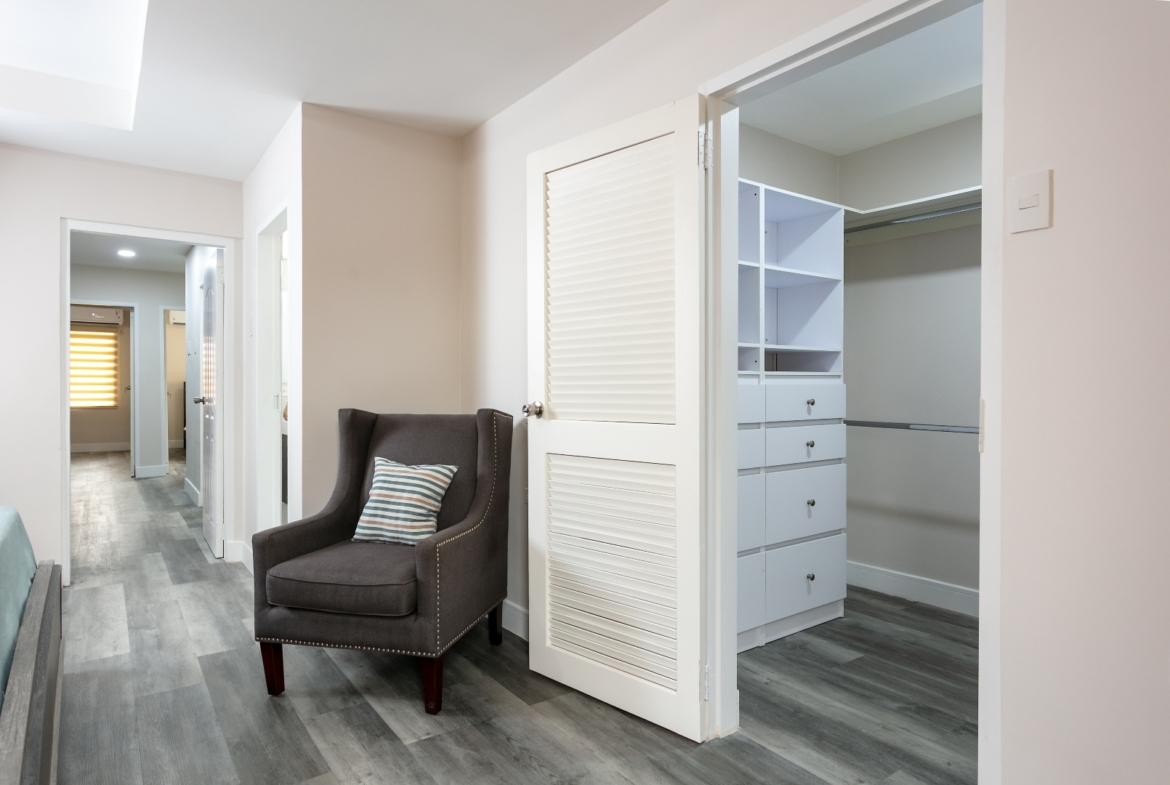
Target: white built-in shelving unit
{"type": "Point", "coordinates": [791, 526]}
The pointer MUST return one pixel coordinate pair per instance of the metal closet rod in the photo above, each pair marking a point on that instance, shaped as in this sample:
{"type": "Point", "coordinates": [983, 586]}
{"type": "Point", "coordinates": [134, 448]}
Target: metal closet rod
{"type": "Point", "coordinates": [913, 426]}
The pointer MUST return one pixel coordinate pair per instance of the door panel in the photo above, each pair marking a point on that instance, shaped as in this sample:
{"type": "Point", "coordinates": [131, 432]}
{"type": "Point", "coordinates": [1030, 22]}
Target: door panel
{"type": "Point", "coordinates": [614, 461]}
{"type": "Point", "coordinates": [209, 379]}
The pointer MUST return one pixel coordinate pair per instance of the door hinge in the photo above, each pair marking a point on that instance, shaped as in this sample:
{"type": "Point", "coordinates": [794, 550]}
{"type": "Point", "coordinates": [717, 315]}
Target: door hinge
{"type": "Point", "coordinates": [708, 683]}
{"type": "Point", "coordinates": [706, 150]}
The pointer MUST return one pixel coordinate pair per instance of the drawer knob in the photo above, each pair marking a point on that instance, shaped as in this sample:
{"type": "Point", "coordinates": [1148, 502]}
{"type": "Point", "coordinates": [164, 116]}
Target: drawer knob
{"type": "Point", "coordinates": [811, 576]}
{"type": "Point", "coordinates": [811, 401]}
{"type": "Point", "coordinates": [811, 502]}
{"type": "Point", "coordinates": [810, 444]}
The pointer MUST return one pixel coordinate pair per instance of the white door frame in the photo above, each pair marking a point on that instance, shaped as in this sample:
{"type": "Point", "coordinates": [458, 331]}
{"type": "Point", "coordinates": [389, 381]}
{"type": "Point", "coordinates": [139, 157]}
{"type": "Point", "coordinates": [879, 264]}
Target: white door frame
{"type": "Point", "coordinates": [269, 339]}
{"type": "Point", "coordinates": [866, 27]}
{"type": "Point", "coordinates": [227, 354]}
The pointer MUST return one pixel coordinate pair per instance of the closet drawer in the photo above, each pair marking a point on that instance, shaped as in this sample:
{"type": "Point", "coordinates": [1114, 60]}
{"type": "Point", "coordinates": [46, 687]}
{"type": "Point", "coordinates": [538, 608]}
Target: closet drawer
{"type": "Point", "coordinates": [791, 402]}
{"type": "Point", "coordinates": [749, 576]}
{"type": "Point", "coordinates": [789, 514]}
{"type": "Point", "coordinates": [751, 403]}
{"type": "Point", "coordinates": [801, 444]}
{"type": "Point", "coordinates": [751, 448]}
{"type": "Point", "coordinates": [790, 590]}
{"type": "Point", "coordinates": [751, 512]}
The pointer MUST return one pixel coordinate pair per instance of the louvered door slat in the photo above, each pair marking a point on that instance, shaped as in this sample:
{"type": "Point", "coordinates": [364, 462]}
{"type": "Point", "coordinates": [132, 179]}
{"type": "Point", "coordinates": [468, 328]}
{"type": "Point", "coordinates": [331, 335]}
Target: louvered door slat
{"type": "Point", "coordinates": [609, 274]}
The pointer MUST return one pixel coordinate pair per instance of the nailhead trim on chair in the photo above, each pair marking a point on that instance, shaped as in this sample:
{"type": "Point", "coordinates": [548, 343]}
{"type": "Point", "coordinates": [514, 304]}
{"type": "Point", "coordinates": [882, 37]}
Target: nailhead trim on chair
{"type": "Point", "coordinates": [376, 648]}
{"type": "Point", "coordinates": [438, 593]}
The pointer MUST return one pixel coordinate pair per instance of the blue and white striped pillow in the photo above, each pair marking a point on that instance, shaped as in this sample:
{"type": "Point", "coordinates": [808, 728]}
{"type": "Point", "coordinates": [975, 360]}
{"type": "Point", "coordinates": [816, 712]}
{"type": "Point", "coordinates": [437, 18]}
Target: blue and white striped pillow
{"type": "Point", "coordinates": [404, 502]}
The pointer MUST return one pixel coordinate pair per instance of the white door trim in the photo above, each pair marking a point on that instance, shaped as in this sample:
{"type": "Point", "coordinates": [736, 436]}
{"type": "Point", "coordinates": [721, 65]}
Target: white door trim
{"type": "Point", "coordinates": [860, 30]}
{"type": "Point", "coordinates": [228, 351]}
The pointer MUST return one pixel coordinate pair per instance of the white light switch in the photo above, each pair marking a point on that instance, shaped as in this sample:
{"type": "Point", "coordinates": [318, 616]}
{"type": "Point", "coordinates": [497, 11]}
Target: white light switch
{"type": "Point", "coordinates": [1030, 202]}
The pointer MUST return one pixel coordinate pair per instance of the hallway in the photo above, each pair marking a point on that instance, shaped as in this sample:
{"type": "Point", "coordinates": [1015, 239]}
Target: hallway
{"type": "Point", "coordinates": [163, 684]}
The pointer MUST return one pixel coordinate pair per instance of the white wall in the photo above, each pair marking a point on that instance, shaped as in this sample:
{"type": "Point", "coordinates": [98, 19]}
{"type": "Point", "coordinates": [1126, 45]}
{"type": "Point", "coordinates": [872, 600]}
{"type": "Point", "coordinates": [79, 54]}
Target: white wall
{"type": "Point", "coordinates": [912, 355]}
{"type": "Point", "coordinates": [150, 292]}
{"type": "Point", "coordinates": [1086, 369]}
{"type": "Point", "coordinates": [273, 188]}
{"type": "Point", "coordinates": [662, 58]}
{"type": "Point", "coordinates": [37, 190]}
{"type": "Point", "coordinates": [935, 161]}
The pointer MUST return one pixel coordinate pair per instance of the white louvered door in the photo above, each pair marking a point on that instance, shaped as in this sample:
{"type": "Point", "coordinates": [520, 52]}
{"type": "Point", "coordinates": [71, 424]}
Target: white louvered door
{"type": "Point", "coordinates": [614, 462]}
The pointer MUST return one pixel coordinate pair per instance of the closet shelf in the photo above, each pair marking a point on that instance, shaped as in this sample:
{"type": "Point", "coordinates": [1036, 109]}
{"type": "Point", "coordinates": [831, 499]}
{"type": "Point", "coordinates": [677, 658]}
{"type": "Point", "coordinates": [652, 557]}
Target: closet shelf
{"type": "Point", "coordinates": [773, 347]}
{"type": "Point", "coordinates": [748, 264]}
{"type": "Point", "coordinates": [836, 374]}
{"type": "Point", "coordinates": [784, 277]}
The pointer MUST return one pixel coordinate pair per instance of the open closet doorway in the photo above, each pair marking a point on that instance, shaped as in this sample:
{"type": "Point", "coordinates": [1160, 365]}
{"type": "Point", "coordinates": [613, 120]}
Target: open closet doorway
{"type": "Point", "coordinates": [849, 211]}
{"type": "Point", "coordinates": [145, 363]}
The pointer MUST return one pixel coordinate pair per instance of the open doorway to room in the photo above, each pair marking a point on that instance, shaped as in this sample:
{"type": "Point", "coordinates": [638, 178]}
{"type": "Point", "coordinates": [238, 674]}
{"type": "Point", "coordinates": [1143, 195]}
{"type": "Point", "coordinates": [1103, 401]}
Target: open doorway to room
{"type": "Point", "coordinates": [145, 364]}
{"type": "Point", "coordinates": [851, 210]}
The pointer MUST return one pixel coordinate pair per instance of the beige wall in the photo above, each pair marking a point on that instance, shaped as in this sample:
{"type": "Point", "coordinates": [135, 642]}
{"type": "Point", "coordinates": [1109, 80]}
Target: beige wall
{"type": "Point", "coordinates": [662, 58]}
{"type": "Point", "coordinates": [380, 244]}
{"type": "Point", "coordinates": [912, 355]}
{"type": "Point", "coordinates": [37, 190]}
{"type": "Point", "coordinates": [935, 161]}
{"type": "Point", "coordinates": [106, 428]}
{"type": "Point", "coordinates": [176, 365]}
{"type": "Point", "coordinates": [1086, 369]}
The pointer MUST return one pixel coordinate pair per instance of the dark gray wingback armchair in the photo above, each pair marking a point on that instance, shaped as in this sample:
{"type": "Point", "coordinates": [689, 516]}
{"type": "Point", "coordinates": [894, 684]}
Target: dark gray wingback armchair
{"type": "Point", "coordinates": [316, 587]}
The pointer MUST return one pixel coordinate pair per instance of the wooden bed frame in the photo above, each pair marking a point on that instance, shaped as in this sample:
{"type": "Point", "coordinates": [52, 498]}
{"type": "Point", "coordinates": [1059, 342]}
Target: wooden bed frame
{"type": "Point", "coordinates": [32, 700]}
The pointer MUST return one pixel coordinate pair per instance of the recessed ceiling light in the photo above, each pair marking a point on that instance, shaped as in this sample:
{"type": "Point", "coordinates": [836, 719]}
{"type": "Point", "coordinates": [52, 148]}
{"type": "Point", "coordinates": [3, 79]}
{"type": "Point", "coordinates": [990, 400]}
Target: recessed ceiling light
{"type": "Point", "coordinates": [126, 253]}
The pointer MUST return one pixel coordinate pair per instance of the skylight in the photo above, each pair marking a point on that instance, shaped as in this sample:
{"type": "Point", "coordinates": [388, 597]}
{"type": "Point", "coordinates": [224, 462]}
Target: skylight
{"type": "Point", "coordinates": [72, 59]}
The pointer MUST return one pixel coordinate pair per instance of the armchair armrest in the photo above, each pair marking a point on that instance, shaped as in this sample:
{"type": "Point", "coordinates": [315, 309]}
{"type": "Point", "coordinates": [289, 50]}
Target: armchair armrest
{"type": "Point", "coordinates": [334, 523]}
{"type": "Point", "coordinates": [463, 569]}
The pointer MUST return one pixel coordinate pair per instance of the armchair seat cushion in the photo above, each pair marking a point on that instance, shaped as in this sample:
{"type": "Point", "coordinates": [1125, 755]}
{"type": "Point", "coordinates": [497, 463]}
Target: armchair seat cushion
{"type": "Point", "coordinates": [360, 578]}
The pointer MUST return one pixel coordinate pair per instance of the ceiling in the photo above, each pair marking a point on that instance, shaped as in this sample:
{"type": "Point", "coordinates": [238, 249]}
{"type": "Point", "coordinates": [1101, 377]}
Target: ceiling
{"type": "Point", "coordinates": [220, 77]}
{"type": "Point", "coordinates": [928, 78]}
{"type": "Point", "coordinates": [101, 250]}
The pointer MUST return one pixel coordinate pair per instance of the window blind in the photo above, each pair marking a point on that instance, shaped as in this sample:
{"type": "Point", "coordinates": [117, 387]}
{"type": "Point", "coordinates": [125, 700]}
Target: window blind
{"type": "Point", "coordinates": [93, 369]}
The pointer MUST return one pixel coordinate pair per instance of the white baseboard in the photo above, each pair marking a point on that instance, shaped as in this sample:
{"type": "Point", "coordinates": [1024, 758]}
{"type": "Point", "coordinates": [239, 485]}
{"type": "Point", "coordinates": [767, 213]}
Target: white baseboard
{"type": "Point", "coordinates": [192, 493]}
{"type": "Point", "coordinates": [143, 472]}
{"type": "Point", "coordinates": [238, 551]}
{"type": "Point", "coordinates": [914, 587]}
{"type": "Point", "coordinates": [515, 619]}
{"type": "Point", "coordinates": [175, 444]}
{"type": "Point", "coordinates": [101, 447]}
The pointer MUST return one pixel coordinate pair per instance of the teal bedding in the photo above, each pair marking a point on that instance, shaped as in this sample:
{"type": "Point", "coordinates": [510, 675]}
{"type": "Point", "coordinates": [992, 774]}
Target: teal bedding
{"type": "Point", "coordinates": [17, 568]}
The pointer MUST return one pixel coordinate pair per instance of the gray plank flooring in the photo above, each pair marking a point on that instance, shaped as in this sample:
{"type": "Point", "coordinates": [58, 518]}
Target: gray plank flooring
{"type": "Point", "coordinates": [163, 684]}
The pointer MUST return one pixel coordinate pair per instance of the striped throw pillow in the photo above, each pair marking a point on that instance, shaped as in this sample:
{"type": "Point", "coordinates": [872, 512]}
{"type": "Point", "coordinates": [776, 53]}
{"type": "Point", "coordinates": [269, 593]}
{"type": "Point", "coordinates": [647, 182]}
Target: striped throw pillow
{"type": "Point", "coordinates": [404, 502]}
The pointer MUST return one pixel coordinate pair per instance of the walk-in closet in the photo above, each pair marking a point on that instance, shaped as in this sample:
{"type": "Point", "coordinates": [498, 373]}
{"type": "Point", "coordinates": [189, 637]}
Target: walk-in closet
{"type": "Point", "coordinates": [859, 197]}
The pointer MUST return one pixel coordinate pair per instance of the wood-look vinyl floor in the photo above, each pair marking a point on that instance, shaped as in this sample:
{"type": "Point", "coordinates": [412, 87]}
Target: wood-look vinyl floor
{"type": "Point", "coordinates": [163, 684]}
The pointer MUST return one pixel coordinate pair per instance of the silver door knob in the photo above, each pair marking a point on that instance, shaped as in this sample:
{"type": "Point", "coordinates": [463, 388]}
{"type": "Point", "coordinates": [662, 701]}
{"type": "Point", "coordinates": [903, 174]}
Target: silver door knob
{"type": "Point", "coordinates": [811, 401]}
{"type": "Point", "coordinates": [534, 409]}
{"type": "Point", "coordinates": [198, 400]}
{"type": "Point", "coordinates": [810, 444]}
{"type": "Point", "coordinates": [811, 502]}
{"type": "Point", "coordinates": [811, 576]}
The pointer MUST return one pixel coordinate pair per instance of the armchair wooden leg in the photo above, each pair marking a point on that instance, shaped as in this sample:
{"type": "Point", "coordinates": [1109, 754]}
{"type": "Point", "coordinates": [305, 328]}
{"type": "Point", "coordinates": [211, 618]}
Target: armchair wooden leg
{"type": "Point", "coordinates": [495, 636]}
{"type": "Point", "coordinates": [432, 678]}
{"type": "Point", "coordinates": [273, 656]}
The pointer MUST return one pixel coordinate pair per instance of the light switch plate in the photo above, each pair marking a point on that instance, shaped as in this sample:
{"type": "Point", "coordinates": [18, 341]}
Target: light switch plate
{"type": "Point", "coordinates": [1030, 202]}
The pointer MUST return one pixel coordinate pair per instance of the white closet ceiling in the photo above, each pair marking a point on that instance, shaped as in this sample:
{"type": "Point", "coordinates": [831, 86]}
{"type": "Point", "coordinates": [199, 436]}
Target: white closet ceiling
{"type": "Point", "coordinates": [929, 78]}
{"type": "Point", "coordinates": [101, 250]}
{"type": "Point", "coordinates": [219, 77]}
